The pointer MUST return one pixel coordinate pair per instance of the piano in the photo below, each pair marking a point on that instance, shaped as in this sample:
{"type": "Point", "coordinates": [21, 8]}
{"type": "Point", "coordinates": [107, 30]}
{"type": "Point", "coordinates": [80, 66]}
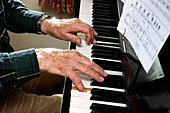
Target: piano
{"type": "Point", "coordinates": [128, 88]}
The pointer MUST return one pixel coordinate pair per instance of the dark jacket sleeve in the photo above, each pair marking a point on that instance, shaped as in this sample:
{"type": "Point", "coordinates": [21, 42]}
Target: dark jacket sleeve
{"type": "Point", "coordinates": [17, 68]}
{"type": "Point", "coordinates": [19, 18]}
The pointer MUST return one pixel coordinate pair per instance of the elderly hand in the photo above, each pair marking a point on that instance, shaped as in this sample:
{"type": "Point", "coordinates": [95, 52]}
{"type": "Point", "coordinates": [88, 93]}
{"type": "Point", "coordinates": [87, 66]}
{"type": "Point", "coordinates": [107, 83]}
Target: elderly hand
{"type": "Point", "coordinates": [68, 63]}
{"type": "Point", "coordinates": [64, 29]}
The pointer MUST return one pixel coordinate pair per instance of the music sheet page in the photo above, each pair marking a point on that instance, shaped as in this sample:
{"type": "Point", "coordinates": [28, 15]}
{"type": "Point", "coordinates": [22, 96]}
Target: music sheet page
{"type": "Point", "coordinates": [146, 24]}
{"type": "Point", "coordinates": [123, 1]}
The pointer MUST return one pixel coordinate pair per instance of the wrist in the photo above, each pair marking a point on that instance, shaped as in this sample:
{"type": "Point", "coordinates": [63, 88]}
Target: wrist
{"type": "Point", "coordinates": [40, 22]}
{"type": "Point", "coordinates": [40, 58]}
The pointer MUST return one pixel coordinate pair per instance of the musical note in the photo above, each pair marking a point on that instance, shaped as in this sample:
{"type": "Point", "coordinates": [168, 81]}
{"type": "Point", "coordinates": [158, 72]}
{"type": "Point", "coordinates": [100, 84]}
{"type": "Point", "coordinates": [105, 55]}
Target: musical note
{"type": "Point", "coordinates": [163, 6]}
{"type": "Point", "coordinates": [142, 35]}
{"type": "Point", "coordinates": [147, 27]}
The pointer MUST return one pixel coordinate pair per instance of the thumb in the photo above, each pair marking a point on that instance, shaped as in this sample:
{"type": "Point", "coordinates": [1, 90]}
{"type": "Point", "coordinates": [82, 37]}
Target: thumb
{"type": "Point", "coordinates": [73, 38]}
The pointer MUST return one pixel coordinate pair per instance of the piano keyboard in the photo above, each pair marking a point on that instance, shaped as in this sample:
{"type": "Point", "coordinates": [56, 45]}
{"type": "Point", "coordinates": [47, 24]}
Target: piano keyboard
{"type": "Point", "coordinates": [108, 96]}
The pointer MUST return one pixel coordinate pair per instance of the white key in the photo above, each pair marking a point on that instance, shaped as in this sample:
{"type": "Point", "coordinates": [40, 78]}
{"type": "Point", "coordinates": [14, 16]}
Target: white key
{"type": "Point", "coordinates": [86, 80]}
{"type": "Point", "coordinates": [81, 101]}
{"type": "Point", "coordinates": [86, 11]}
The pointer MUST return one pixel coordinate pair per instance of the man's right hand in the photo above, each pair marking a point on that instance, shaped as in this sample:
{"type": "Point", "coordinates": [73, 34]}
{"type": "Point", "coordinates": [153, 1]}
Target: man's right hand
{"type": "Point", "coordinates": [68, 63]}
{"type": "Point", "coordinates": [64, 29]}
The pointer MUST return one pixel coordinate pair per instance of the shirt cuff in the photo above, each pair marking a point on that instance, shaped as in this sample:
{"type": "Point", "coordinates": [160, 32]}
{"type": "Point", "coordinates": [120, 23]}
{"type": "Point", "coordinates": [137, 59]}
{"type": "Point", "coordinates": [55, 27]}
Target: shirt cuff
{"type": "Point", "coordinates": [26, 66]}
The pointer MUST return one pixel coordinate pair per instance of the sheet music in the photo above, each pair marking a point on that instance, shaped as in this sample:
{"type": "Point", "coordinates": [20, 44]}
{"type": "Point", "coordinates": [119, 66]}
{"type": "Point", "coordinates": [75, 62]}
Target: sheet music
{"type": "Point", "coordinates": [147, 25]}
{"type": "Point", "coordinates": [123, 1]}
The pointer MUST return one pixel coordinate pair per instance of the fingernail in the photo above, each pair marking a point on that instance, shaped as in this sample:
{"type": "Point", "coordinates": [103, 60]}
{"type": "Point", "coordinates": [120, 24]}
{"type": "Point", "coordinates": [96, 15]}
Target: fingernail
{"type": "Point", "coordinates": [77, 41]}
{"type": "Point", "coordinates": [105, 74]}
{"type": "Point", "coordinates": [84, 90]}
{"type": "Point", "coordinates": [101, 78]}
{"type": "Point", "coordinates": [96, 34]}
{"type": "Point", "coordinates": [94, 41]}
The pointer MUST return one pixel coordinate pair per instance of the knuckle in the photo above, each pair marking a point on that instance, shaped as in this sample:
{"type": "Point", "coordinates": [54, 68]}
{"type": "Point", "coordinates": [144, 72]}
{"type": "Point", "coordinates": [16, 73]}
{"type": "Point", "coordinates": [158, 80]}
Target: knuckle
{"type": "Point", "coordinates": [61, 33]}
{"type": "Point", "coordinates": [74, 39]}
{"type": "Point", "coordinates": [74, 51]}
{"type": "Point", "coordinates": [90, 63]}
{"type": "Point", "coordinates": [73, 54]}
{"type": "Point", "coordinates": [75, 21]}
{"type": "Point", "coordinates": [76, 79]}
{"type": "Point", "coordinates": [86, 29]}
{"type": "Point", "coordinates": [86, 69]}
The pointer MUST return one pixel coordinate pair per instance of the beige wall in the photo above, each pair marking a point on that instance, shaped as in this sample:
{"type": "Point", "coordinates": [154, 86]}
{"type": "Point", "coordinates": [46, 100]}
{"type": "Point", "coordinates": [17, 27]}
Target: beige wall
{"type": "Point", "coordinates": [25, 41]}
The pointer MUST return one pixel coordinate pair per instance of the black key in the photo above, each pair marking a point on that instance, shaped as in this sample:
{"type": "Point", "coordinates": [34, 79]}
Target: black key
{"type": "Point", "coordinates": [101, 108]}
{"type": "Point", "coordinates": [105, 20]}
{"type": "Point", "coordinates": [104, 23]}
{"type": "Point", "coordinates": [114, 2]}
{"type": "Point", "coordinates": [116, 54]}
{"type": "Point", "coordinates": [113, 50]}
{"type": "Point", "coordinates": [105, 34]}
{"type": "Point", "coordinates": [108, 96]}
{"type": "Point", "coordinates": [105, 4]}
{"type": "Point", "coordinates": [111, 81]}
{"type": "Point", "coordinates": [103, 31]}
{"type": "Point", "coordinates": [106, 56]}
{"type": "Point", "coordinates": [104, 13]}
{"type": "Point", "coordinates": [104, 48]}
{"type": "Point", "coordinates": [114, 17]}
{"type": "Point", "coordinates": [109, 65]}
{"type": "Point", "coordinates": [98, 8]}
{"type": "Point", "coordinates": [112, 14]}
{"type": "Point", "coordinates": [104, 7]}
{"type": "Point", "coordinates": [108, 29]}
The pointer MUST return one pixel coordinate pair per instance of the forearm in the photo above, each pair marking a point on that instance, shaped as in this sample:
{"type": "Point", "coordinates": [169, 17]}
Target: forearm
{"type": "Point", "coordinates": [17, 68]}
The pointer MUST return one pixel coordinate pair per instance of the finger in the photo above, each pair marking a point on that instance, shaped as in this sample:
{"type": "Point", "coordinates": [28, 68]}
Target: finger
{"type": "Point", "coordinates": [85, 66]}
{"type": "Point", "coordinates": [91, 39]}
{"type": "Point", "coordinates": [94, 41]}
{"type": "Point", "coordinates": [73, 38]}
{"type": "Point", "coordinates": [92, 36]}
{"type": "Point", "coordinates": [77, 81]}
{"type": "Point", "coordinates": [86, 29]}
{"type": "Point", "coordinates": [88, 67]}
{"type": "Point", "coordinates": [96, 68]}
{"type": "Point", "coordinates": [95, 33]}
{"type": "Point", "coordinates": [84, 60]}
{"type": "Point", "coordinates": [84, 69]}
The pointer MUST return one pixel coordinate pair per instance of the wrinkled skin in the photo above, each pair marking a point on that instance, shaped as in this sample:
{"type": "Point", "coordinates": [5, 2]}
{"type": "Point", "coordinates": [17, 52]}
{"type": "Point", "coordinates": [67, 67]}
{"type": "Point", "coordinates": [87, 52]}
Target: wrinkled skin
{"type": "Point", "coordinates": [68, 63]}
{"type": "Point", "coordinates": [64, 29]}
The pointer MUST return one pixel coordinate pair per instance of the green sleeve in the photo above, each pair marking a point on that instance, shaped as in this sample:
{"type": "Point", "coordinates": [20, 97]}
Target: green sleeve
{"type": "Point", "coordinates": [19, 18]}
{"type": "Point", "coordinates": [17, 68]}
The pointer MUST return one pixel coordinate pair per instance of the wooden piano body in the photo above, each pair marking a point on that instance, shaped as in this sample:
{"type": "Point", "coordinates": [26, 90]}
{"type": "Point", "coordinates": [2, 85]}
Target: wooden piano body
{"type": "Point", "coordinates": [146, 92]}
